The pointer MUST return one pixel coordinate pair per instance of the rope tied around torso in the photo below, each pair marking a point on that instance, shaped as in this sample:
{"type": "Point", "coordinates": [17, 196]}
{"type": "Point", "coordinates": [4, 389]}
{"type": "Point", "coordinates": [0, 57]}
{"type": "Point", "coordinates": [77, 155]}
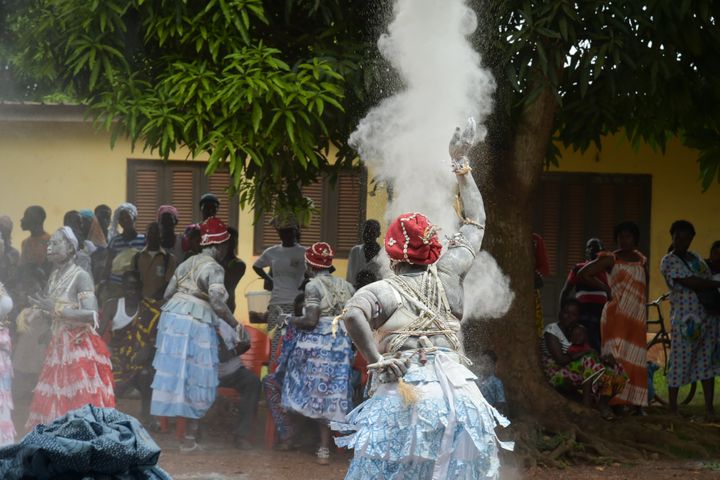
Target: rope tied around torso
{"type": "Point", "coordinates": [431, 306]}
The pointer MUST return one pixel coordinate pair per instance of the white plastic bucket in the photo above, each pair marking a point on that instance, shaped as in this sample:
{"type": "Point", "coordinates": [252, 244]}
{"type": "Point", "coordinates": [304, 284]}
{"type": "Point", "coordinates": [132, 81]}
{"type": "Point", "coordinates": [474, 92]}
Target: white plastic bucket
{"type": "Point", "coordinates": [257, 305]}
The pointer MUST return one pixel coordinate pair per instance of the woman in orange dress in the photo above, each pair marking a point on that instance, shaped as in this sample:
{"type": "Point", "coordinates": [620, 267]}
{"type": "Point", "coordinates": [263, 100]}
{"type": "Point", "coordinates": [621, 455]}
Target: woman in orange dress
{"type": "Point", "coordinates": [623, 325]}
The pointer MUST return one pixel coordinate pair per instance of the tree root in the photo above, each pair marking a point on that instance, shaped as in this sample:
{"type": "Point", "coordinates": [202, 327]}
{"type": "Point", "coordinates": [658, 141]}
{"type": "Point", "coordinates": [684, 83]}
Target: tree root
{"type": "Point", "coordinates": [588, 439]}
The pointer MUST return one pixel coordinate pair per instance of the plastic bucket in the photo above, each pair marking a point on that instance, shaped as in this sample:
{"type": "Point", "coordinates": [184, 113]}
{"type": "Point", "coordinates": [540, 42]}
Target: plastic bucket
{"type": "Point", "coordinates": [257, 305]}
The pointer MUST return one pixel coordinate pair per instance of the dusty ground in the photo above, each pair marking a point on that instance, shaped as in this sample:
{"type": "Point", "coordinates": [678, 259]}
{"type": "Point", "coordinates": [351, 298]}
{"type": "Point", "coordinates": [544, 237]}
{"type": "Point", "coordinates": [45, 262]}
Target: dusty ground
{"type": "Point", "coordinates": [220, 461]}
{"type": "Point", "coordinates": [225, 464]}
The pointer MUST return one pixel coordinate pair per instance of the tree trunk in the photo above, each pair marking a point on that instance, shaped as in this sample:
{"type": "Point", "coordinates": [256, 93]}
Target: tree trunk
{"type": "Point", "coordinates": [512, 164]}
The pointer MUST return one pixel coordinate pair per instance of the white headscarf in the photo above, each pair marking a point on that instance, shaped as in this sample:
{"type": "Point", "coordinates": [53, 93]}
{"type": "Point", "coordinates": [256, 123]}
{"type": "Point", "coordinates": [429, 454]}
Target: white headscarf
{"type": "Point", "coordinates": [70, 236]}
{"type": "Point", "coordinates": [125, 207]}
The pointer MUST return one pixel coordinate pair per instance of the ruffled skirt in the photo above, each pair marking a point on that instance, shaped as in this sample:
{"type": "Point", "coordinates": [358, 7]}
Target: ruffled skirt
{"type": "Point", "coordinates": [7, 429]}
{"type": "Point", "coordinates": [317, 378]}
{"type": "Point", "coordinates": [449, 433]}
{"type": "Point", "coordinates": [77, 371]}
{"type": "Point", "coordinates": [186, 367]}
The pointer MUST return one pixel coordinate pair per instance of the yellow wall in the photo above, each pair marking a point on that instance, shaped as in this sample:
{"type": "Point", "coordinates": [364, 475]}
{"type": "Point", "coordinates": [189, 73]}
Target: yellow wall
{"type": "Point", "coordinates": [60, 166]}
{"type": "Point", "coordinates": [676, 193]}
{"type": "Point", "coordinates": [68, 165]}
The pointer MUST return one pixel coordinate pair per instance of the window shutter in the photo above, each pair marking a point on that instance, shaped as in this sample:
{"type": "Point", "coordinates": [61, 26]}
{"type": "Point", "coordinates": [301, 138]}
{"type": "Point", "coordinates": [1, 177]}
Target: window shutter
{"type": "Point", "coordinates": [550, 228]}
{"type": "Point", "coordinates": [182, 193]}
{"type": "Point", "coordinates": [350, 211]}
{"type": "Point", "coordinates": [144, 183]}
{"type": "Point", "coordinates": [575, 226]}
{"type": "Point", "coordinates": [338, 219]}
{"type": "Point", "coordinates": [607, 217]}
{"type": "Point", "coordinates": [313, 232]}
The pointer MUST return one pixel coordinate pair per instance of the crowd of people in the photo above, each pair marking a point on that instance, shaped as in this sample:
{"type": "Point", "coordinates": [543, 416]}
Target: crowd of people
{"type": "Point", "coordinates": [98, 309]}
{"type": "Point", "coordinates": [598, 345]}
{"type": "Point", "coordinates": [164, 303]}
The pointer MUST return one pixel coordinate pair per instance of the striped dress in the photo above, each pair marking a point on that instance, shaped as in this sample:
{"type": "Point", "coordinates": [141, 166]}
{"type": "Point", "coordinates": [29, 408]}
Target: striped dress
{"type": "Point", "coordinates": [624, 326]}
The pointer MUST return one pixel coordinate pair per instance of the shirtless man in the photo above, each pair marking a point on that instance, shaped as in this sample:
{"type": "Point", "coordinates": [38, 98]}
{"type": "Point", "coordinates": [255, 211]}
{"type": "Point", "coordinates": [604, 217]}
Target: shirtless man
{"type": "Point", "coordinates": [427, 418]}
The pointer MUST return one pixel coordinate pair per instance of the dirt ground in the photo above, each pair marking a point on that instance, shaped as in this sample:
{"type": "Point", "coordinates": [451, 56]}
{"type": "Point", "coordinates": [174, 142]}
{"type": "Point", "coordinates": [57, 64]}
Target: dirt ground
{"type": "Point", "coordinates": [218, 460]}
{"type": "Point", "coordinates": [260, 464]}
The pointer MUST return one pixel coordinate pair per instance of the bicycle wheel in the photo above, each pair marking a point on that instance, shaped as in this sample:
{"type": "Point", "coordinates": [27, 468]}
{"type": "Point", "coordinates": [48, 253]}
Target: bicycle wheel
{"type": "Point", "coordinates": [658, 352]}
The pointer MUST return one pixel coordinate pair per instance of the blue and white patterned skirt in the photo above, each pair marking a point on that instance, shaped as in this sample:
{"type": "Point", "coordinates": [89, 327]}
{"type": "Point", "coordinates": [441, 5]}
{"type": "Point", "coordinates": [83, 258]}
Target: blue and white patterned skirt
{"type": "Point", "coordinates": [449, 433]}
{"type": "Point", "coordinates": [317, 379]}
{"type": "Point", "coordinates": [186, 367]}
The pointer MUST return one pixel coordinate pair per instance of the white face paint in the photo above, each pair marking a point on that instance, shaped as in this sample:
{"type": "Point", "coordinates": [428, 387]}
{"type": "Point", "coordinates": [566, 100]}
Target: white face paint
{"type": "Point", "coordinates": [58, 249]}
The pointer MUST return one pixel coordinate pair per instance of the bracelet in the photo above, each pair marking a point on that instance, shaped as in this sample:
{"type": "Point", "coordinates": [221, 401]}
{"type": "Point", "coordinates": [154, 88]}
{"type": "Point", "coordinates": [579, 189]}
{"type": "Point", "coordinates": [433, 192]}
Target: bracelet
{"type": "Point", "coordinates": [465, 221]}
{"type": "Point", "coordinates": [463, 170]}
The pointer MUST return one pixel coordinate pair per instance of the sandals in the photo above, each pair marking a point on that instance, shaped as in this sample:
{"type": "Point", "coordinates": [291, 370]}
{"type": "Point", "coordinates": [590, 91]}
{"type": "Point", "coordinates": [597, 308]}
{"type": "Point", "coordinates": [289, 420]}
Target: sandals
{"type": "Point", "coordinates": [189, 445]}
{"type": "Point", "coordinates": [323, 456]}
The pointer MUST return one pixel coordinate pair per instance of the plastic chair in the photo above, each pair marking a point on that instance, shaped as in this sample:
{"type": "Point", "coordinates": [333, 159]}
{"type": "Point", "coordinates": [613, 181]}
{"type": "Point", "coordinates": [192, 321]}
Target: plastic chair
{"type": "Point", "coordinates": [259, 353]}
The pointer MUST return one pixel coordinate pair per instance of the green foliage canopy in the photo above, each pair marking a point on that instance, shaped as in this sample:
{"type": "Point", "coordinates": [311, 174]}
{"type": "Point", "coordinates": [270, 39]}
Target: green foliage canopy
{"type": "Point", "coordinates": [647, 68]}
{"type": "Point", "coordinates": [266, 86]}
{"type": "Point", "coordinates": [216, 76]}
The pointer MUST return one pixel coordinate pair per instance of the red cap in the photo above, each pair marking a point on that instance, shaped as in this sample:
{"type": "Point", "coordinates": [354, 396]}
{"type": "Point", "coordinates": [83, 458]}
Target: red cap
{"type": "Point", "coordinates": [320, 255]}
{"type": "Point", "coordinates": [213, 232]}
{"type": "Point", "coordinates": [413, 239]}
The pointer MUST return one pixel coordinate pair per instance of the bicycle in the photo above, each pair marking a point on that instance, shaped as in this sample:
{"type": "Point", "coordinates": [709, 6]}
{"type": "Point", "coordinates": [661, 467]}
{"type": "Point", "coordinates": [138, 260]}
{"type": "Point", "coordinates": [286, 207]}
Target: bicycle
{"type": "Point", "coordinates": [658, 349]}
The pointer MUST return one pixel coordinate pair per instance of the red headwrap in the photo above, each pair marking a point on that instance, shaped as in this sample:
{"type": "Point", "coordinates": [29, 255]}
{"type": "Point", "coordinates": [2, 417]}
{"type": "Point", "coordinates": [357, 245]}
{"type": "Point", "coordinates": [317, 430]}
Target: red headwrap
{"type": "Point", "coordinates": [413, 239]}
{"type": "Point", "coordinates": [320, 255]}
{"type": "Point", "coordinates": [213, 232]}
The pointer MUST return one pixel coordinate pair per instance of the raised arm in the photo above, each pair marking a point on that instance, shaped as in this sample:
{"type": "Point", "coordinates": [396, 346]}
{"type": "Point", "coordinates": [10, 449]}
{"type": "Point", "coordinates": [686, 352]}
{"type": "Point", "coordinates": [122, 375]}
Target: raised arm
{"type": "Point", "coordinates": [466, 244]}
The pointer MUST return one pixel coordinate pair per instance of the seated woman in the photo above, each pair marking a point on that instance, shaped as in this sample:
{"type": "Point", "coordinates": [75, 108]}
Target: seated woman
{"type": "Point", "coordinates": [570, 369]}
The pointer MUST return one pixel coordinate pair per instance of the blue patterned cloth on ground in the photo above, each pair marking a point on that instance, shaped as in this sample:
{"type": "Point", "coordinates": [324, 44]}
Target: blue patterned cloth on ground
{"type": "Point", "coordinates": [317, 379]}
{"type": "Point", "coordinates": [88, 442]}
{"type": "Point", "coordinates": [449, 433]}
{"type": "Point", "coordinates": [186, 367]}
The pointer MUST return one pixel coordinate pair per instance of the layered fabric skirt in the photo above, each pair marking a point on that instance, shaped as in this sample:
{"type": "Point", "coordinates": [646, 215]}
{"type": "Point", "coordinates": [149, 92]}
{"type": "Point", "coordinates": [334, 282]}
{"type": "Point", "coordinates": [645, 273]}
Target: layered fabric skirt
{"type": "Point", "coordinates": [448, 433]}
{"type": "Point", "coordinates": [7, 429]}
{"type": "Point", "coordinates": [317, 378]}
{"type": "Point", "coordinates": [186, 367]}
{"type": "Point", "coordinates": [77, 371]}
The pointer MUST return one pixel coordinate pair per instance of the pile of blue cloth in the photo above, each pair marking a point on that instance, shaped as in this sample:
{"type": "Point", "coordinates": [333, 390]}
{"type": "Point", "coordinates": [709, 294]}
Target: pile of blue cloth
{"type": "Point", "coordinates": [89, 442]}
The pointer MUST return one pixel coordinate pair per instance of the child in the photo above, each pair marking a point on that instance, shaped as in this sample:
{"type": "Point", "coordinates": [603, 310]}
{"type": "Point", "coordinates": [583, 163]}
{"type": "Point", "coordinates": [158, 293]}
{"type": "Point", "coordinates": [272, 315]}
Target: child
{"type": "Point", "coordinates": [490, 385]}
{"type": "Point", "coordinates": [579, 341]}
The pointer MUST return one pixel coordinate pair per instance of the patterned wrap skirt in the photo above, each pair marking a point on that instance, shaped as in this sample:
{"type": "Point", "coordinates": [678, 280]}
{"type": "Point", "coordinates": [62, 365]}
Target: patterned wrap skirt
{"type": "Point", "coordinates": [133, 346]}
{"type": "Point", "coordinates": [186, 367]}
{"type": "Point", "coordinates": [317, 379]}
{"type": "Point", "coordinates": [7, 429]}
{"type": "Point", "coordinates": [77, 371]}
{"type": "Point", "coordinates": [606, 380]}
{"type": "Point", "coordinates": [449, 433]}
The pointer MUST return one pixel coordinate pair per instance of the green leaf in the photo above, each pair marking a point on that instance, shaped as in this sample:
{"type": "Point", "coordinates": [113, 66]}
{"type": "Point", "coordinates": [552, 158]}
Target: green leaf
{"type": "Point", "coordinates": [290, 128]}
{"type": "Point", "coordinates": [257, 115]}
